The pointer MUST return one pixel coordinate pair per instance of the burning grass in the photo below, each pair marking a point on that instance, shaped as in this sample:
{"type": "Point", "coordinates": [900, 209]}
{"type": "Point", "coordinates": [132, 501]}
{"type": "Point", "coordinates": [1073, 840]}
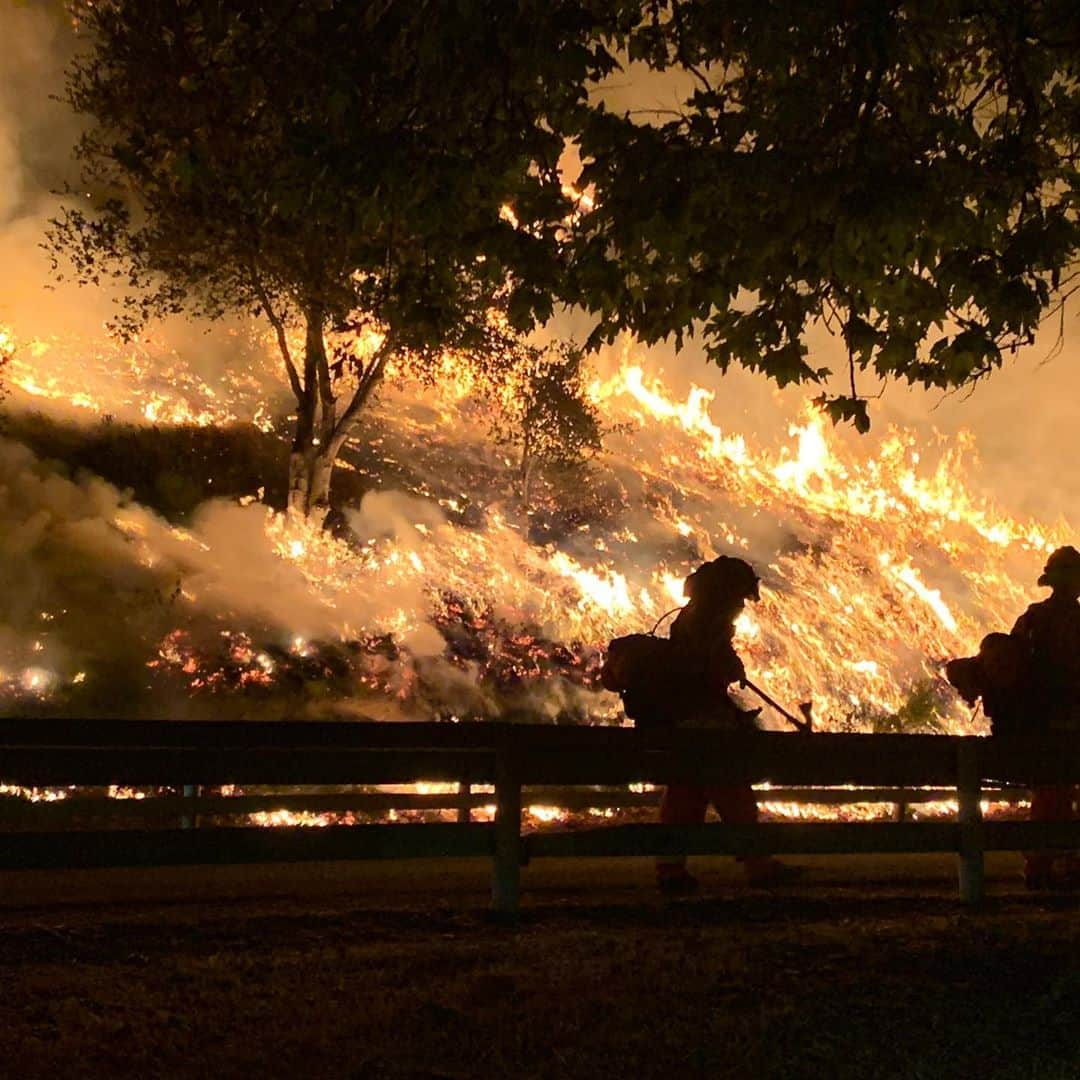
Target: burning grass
{"type": "Point", "coordinates": [438, 594]}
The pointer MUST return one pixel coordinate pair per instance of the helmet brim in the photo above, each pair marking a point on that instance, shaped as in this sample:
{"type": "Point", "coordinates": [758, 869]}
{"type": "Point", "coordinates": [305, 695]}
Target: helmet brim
{"type": "Point", "coordinates": [1067, 576]}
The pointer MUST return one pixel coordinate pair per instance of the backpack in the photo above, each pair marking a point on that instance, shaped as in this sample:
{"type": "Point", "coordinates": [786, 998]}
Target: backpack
{"type": "Point", "coordinates": [638, 668]}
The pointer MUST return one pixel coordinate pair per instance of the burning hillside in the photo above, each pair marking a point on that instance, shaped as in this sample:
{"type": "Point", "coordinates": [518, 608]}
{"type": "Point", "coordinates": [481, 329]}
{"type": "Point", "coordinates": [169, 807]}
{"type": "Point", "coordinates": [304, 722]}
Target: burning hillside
{"type": "Point", "coordinates": [444, 597]}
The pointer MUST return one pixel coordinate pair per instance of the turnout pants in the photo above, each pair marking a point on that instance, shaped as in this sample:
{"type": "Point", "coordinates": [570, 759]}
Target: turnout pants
{"type": "Point", "coordinates": [1052, 803]}
{"type": "Point", "coordinates": [682, 805]}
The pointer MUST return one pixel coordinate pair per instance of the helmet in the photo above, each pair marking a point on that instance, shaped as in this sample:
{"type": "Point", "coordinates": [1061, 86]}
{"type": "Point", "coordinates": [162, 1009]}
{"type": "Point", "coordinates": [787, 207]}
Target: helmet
{"type": "Point", "coordinates": [723, 577]}
{"type": "Point", "coordinates": [1062, 567]}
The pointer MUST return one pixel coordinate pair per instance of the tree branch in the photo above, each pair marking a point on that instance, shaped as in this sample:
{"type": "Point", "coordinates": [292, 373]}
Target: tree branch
{"type": "Point", "coordinates": [368, 381]}
{"type": "Point", "coordinates": [279, 330]}
{"type": "Point", "coordinates": [680, 50]}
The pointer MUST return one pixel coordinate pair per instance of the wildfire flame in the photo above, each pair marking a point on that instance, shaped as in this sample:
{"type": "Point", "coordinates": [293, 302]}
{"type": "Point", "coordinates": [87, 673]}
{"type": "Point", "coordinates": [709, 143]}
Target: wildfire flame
{"type": "Point", "coordinates": [876, 567]}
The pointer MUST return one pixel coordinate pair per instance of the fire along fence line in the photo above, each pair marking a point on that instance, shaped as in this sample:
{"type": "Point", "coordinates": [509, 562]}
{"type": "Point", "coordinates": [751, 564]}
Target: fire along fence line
{"type": "Point", "coordinates": [195, 806]}
{"type": "Point", "coordinates": [515, 757]}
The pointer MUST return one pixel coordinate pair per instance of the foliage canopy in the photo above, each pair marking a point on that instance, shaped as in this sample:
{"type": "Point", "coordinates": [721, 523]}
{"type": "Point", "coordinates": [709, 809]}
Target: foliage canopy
{"type": "Point", "coordinates": [903, 170]}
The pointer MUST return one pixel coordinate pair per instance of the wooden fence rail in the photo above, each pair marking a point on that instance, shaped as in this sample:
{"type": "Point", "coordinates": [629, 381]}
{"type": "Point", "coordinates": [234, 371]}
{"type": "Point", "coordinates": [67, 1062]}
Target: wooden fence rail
{"type": "Point", "coordinates": [190, 755]}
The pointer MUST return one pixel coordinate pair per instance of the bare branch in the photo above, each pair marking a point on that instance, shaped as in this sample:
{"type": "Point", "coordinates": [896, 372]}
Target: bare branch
{"type": "Point", "coordinates": [279, 331]}
{"type": "Point", "coordinates": [368, 381]}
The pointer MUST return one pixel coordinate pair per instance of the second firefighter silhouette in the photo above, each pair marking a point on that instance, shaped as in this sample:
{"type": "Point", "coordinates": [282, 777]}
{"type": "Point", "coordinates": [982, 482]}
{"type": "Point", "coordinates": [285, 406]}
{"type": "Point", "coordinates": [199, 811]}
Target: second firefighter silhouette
{"type": "Point", "coordinates": [683, 681]}
{"type": "Point", "coordinates": [1029, 682]}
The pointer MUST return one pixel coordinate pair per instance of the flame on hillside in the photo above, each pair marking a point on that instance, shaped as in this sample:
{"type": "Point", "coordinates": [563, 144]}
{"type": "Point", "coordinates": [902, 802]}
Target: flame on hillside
{"type": "Point", "coordinates": [144, 382]}
{"type": "Point", "coordinates": [877, 563]}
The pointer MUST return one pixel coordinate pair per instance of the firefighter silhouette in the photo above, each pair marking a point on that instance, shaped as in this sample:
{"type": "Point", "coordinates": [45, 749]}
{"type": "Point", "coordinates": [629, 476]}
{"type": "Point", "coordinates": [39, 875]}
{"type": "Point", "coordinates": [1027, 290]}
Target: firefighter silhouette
{"type": "Point", "coordinates": [1029, 682]}
{"type": "Point", "coordinates": [683, 681]}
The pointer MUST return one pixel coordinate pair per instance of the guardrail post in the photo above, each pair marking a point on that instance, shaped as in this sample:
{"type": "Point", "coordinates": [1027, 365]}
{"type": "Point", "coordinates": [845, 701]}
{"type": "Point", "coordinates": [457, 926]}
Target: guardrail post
{"type": "Point", "coordinates": [508, 848]}
{"type": "Point", "coordinates": [969, 818]}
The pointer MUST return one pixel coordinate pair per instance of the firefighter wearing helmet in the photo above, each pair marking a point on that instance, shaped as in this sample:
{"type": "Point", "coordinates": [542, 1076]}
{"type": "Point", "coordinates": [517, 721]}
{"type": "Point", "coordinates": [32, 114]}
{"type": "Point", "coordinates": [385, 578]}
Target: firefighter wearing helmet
{"type": "Point", "coordinates": [1029, 683]}
{"type": "Point", "coordinates": [1050, 631]}
{"type": "Point", "coordinates": [705, 664]}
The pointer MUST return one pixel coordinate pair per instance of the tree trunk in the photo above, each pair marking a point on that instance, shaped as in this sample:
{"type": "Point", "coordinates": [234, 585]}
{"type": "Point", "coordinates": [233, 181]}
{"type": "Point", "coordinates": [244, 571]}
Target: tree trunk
{"type": "Point", "coordinates": [311, 462]}
{"type": "Point", "coordinates": [310, 471]}
{"type": "Point", "coordinates": [320, 431]}
{"type": "Point", "coordinates": [299, 483]}
{"type": "Point", "coordinates": [299, 457]}
{"type": "Point", "coordinates": [322, 468]}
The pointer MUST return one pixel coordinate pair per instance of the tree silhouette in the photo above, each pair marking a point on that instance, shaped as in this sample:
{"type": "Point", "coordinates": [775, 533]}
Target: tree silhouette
{"type": "Point", "coordinates": [904, 171]}
{"type": "Point", "coordinates": [384, 170]}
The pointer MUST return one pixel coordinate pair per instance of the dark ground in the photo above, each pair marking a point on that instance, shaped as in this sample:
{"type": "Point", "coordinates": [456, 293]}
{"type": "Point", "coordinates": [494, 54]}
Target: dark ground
{"type": "Point", "coordinates": [868, 968]}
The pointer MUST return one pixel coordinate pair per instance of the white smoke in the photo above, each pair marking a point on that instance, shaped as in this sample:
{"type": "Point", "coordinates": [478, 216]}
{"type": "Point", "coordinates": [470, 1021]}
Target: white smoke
{"type": "Point", "coordinates": [90, 580]}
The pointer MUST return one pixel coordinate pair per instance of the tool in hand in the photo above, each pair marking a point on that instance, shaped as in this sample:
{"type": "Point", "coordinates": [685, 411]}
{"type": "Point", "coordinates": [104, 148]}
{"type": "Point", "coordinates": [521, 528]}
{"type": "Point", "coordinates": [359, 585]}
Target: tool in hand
{"type": "Point", "coordinates": [805, 708]}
